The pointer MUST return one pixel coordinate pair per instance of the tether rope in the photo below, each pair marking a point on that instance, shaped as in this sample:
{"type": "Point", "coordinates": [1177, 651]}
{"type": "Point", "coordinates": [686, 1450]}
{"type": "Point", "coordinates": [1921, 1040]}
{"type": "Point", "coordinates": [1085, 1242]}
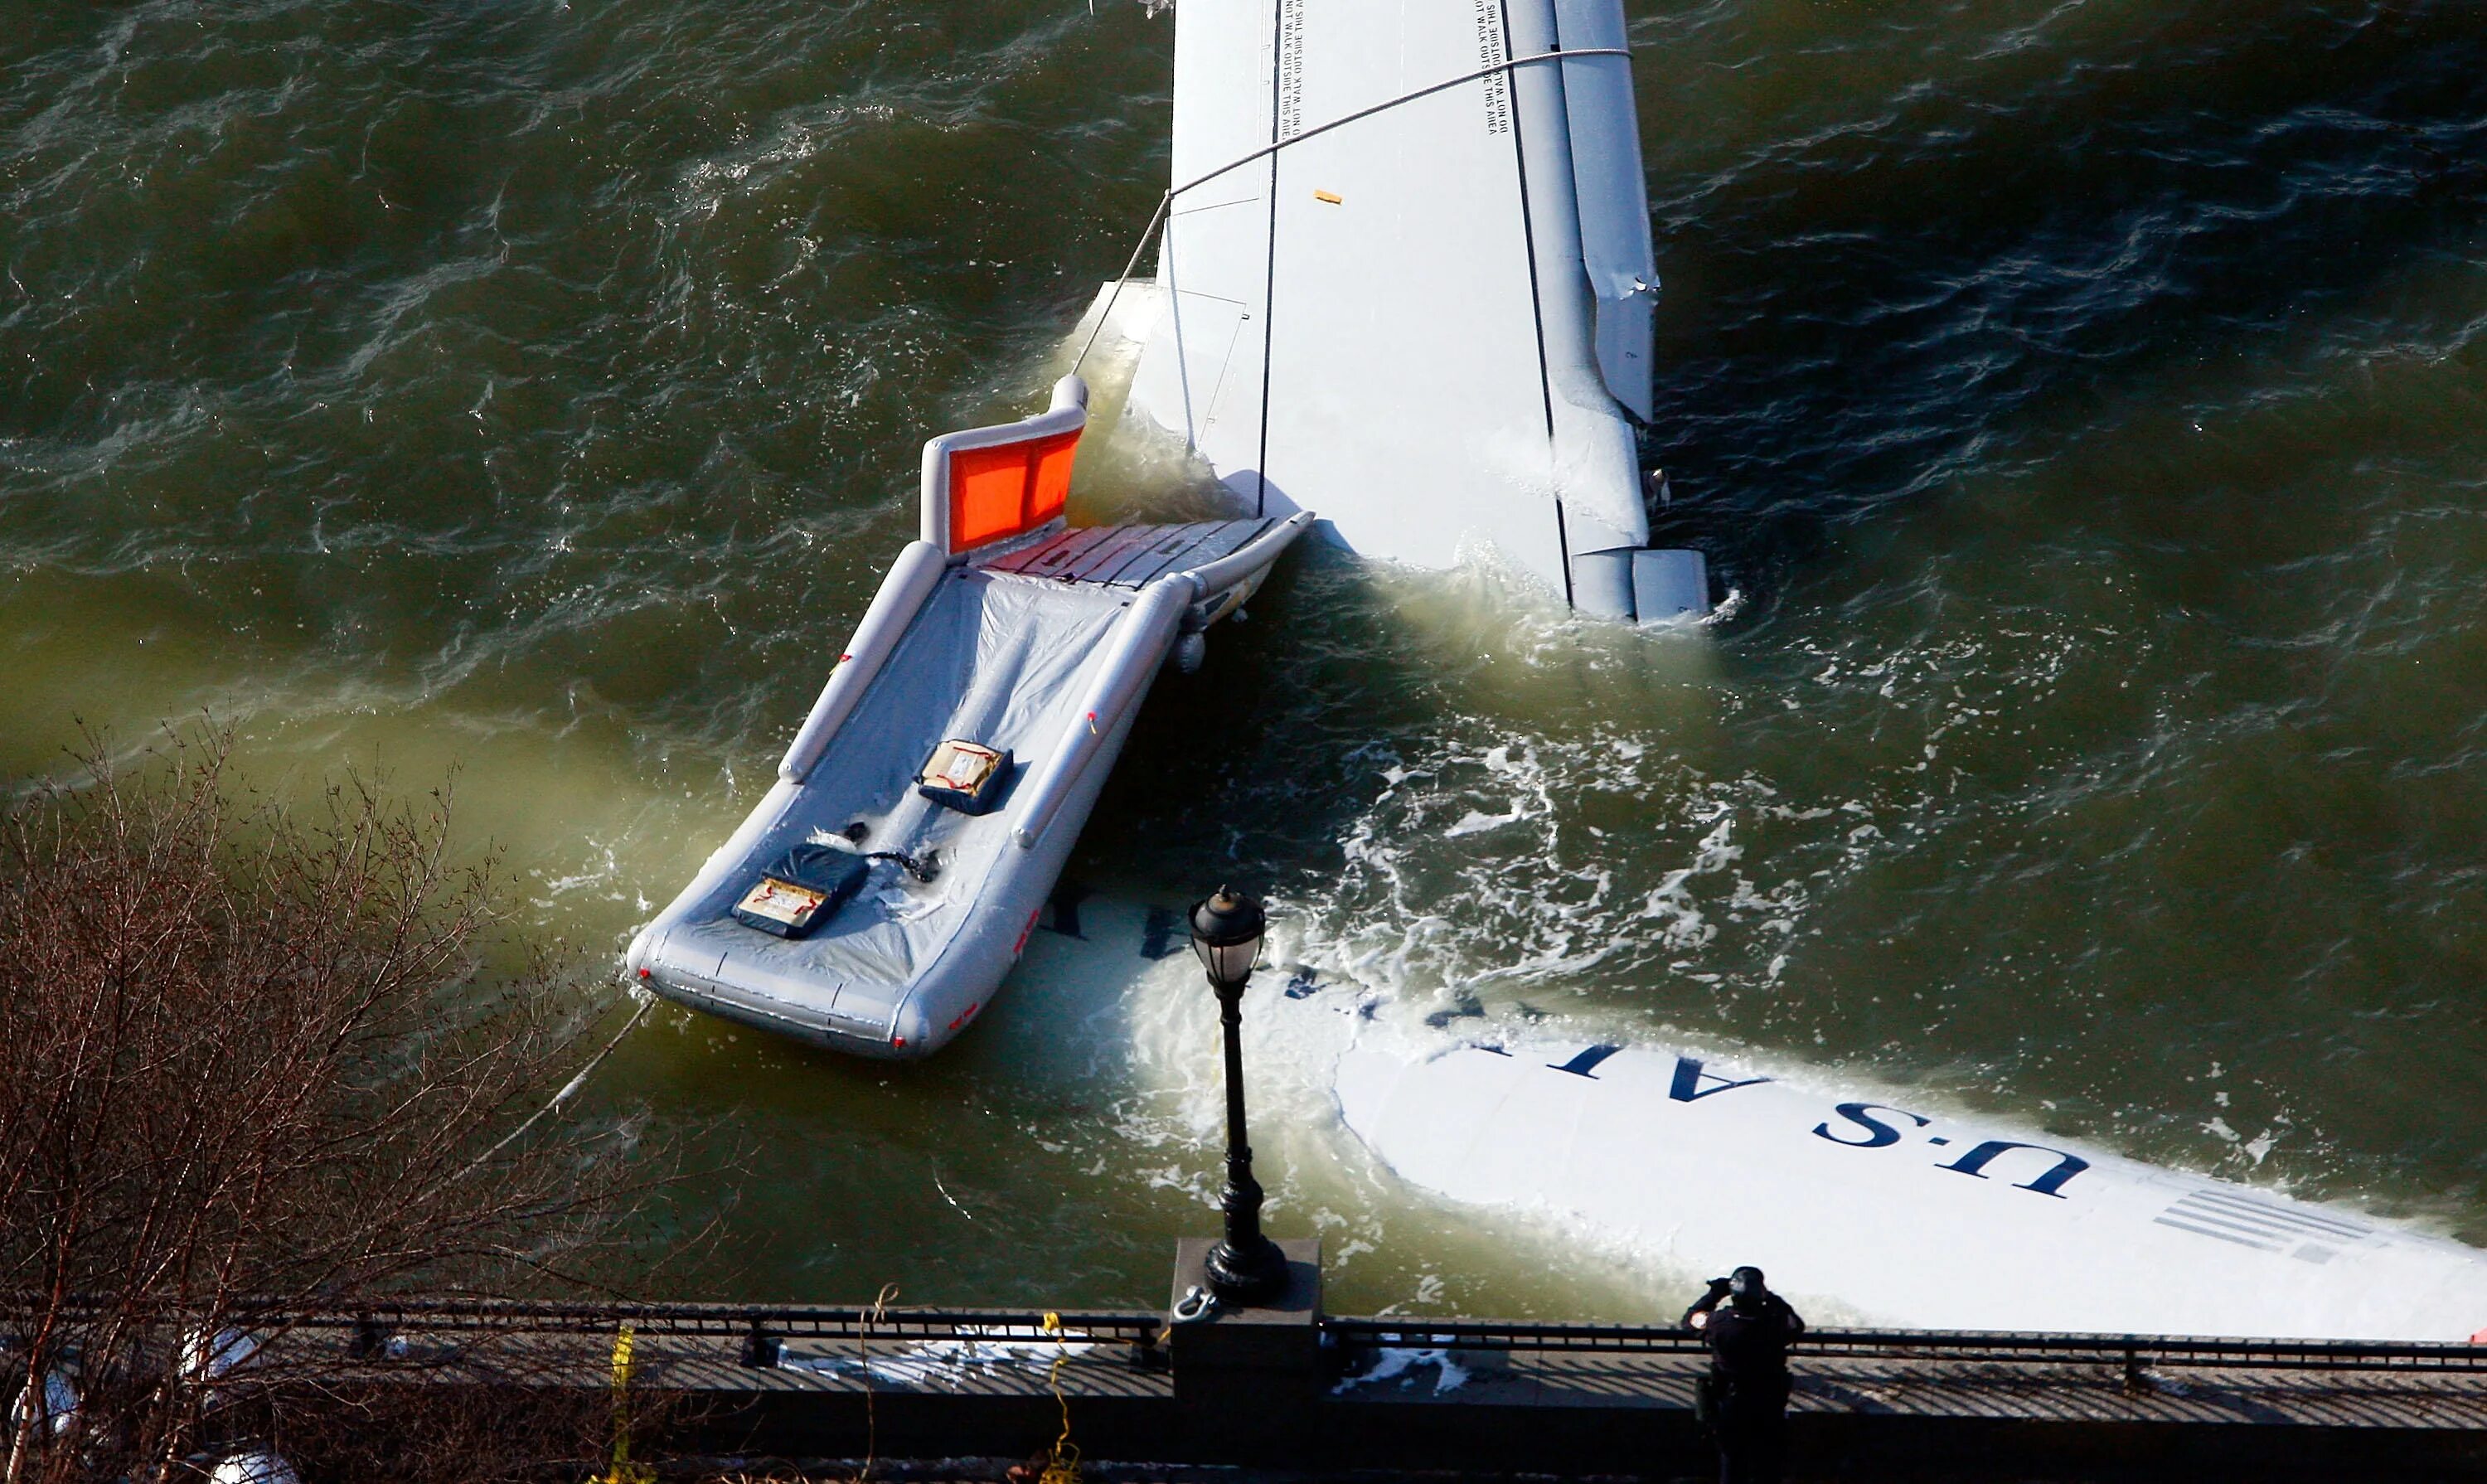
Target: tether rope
{"type": "Point", "coordinates": [1157, 217]}
{"type": "Point", "coordinates": [566, 1089]}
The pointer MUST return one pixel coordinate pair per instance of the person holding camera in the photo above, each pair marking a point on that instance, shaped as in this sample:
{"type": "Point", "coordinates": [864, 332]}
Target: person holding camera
{"type": "Point", "coordinates": [1744, 1398]}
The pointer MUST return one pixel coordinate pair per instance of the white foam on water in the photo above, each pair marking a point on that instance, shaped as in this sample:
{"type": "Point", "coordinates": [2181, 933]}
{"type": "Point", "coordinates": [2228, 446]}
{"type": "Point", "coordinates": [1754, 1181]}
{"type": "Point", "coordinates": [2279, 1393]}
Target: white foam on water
{"type": "Point", "coordinates": [1382, 1235]}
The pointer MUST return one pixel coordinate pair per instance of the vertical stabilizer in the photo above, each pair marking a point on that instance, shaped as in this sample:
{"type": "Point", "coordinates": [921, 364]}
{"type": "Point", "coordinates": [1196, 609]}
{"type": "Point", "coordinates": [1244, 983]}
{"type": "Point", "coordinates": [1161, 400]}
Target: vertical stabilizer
{"type": "Point", "coordinates": [1427, 325]}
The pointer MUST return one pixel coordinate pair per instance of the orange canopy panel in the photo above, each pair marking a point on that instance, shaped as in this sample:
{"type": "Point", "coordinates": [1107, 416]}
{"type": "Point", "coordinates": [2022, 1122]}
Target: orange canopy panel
{"type": "Point", "coordinates": [1007, 488]}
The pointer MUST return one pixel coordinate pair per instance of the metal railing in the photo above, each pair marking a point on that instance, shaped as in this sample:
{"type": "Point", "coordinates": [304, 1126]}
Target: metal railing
{"type": "Point", "coordinates": [761, 1329]}
{"type": "Point", "coordinates": [808, 1321]}
{"type": "Point", "coordinates": [764, 1327]}
{"type": "Point", "coordinates": [2133, 1350]}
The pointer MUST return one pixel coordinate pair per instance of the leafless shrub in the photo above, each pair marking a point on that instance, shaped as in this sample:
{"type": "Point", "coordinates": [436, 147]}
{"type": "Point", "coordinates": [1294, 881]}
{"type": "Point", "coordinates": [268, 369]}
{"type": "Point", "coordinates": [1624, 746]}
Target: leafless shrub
{"type": "Point", "coordinates": [252, 1074]}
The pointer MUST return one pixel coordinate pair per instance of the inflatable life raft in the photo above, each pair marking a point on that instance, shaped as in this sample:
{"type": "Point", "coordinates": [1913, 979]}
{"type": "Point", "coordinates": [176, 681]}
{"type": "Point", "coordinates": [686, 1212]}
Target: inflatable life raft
{"type": "Point", "coordinates": [882, 888]}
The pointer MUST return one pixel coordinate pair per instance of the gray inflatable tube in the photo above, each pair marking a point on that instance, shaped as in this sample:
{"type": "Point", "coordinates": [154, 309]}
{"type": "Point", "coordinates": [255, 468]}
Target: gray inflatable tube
{"type": "Point", "coordinates": [1053, 671]}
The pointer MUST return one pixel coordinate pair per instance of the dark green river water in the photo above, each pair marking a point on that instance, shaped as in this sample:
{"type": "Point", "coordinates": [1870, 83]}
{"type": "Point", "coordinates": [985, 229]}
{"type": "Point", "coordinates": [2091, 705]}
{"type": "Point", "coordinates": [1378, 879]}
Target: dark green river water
{"type": "Point", "coordinates": [2086, 400]}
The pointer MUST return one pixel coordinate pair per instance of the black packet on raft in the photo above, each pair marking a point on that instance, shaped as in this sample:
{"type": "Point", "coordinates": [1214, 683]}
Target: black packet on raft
{"type": "Point", "coordinates": [800, 891]}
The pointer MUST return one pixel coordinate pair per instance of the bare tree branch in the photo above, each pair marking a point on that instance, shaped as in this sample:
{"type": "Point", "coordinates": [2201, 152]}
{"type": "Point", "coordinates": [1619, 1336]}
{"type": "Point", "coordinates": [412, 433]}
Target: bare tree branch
{"type": "Point", "coordinates": [262, 1066]}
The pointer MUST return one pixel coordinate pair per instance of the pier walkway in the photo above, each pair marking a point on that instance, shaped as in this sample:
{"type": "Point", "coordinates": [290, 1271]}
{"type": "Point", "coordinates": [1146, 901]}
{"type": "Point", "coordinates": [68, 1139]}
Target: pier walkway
{"type": "Point", "coordinates": [1292, 1391]}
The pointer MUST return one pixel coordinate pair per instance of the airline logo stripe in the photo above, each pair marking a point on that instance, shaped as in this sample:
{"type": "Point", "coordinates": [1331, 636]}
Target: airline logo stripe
{"type": "Point", "coordinates": [2300, 1220]}
{"type": "Point", "coordinates": [2205, 1231]}
{"type": "Point", "coordinates": [2251, 1224]}
{"type": "Point", "coordinates": [2217, 1216]}
{"type": "Point", "coordinates": [2253, 1231]}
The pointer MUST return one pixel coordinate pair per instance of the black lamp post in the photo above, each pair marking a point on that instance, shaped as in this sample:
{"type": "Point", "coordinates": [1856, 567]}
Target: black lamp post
{"type": "Point", "coordinates": [1244, 1267]}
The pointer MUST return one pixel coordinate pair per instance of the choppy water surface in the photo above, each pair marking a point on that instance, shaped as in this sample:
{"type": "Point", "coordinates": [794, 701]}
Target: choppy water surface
{"type": "Point", "coordinates": [2089, 400]}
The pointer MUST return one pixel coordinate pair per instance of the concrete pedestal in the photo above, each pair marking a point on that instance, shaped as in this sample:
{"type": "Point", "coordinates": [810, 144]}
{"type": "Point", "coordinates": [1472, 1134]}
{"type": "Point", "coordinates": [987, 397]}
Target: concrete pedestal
{"type": "Point", "coordinates": [1246, 1378]}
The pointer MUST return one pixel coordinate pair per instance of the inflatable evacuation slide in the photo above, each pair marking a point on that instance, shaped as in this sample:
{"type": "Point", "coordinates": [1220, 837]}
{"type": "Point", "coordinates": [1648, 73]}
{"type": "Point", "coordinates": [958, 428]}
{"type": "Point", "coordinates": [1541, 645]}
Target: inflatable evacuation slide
{"type": "Point", "coordinates": [875, 898]}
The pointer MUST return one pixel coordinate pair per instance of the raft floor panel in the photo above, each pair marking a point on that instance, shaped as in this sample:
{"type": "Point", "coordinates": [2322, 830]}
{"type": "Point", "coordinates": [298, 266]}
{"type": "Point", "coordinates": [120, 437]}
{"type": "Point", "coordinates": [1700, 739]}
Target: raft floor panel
{"type": "Point", "coordinates": [1127, 556]}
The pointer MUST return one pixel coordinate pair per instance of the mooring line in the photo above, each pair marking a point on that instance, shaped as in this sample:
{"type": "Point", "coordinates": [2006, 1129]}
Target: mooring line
{"type": "Point", "coordinates": [568, 1089]}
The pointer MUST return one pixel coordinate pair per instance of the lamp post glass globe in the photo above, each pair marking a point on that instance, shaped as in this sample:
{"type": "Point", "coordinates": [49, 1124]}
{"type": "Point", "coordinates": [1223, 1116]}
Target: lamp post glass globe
{"type": "Point", "coordinates": [1226, 932]}
{"type": "Point", "coordinates": [1245, 1267]}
